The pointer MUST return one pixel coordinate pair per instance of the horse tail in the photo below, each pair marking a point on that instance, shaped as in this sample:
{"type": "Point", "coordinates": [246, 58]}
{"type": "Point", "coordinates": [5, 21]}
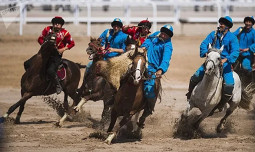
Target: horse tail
{"type": "Point", "coordinates": [160, 90]}
{"type": "Point", "coordinates": [246, 96]}
{"type": "Point", "coordinates": [81, 66]}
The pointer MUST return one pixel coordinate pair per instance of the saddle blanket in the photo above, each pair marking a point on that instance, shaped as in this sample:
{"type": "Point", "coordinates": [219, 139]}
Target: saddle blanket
{"type": "Point", "coordinates": [61, 73]}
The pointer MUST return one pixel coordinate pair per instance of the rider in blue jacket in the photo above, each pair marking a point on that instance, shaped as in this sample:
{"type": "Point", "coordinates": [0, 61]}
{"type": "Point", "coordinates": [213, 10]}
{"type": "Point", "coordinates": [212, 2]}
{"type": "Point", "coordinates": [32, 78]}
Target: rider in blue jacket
{"type": "Point", "coordinates": [246, 37]}
{"type": "Point", "coordinates": [230, 53]}
{"type": "Point", "coordinates": [114, 39]}
{"type": "Point", "coordinates": [159, 51]}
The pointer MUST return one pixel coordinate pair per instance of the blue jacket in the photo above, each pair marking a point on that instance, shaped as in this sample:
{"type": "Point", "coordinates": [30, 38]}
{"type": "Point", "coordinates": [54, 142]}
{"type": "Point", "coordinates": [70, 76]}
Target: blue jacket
{"type": "Point", "coordinates": [246, 40]}
{"type": "Point", "coordinates": [116, 41]}
{"type": "Point", "coordinates": [230, 42]}
{"type": "Point", "coordinates": [158, 52]}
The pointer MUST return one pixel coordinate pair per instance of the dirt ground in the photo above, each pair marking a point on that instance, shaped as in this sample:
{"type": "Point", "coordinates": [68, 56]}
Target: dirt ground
{"type": "Point", "coordinates": [37, 132]}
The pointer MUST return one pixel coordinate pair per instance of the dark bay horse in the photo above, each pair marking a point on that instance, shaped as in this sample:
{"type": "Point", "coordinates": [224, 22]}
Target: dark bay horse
{"type": "Point", "coordinates": [129, 99]}
{"type": "Point", "coordinates": [34, 81]}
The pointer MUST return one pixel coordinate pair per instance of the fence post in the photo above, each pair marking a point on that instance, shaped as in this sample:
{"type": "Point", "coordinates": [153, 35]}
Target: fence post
{"type": "Point", "coordinates": [21, 18]}
{"type": "Point", "coordinates": [88, 19]}
{"type": "Point", "coordinates": [154, 8]}
{"type": "Point", "coordinates": [76, 14]}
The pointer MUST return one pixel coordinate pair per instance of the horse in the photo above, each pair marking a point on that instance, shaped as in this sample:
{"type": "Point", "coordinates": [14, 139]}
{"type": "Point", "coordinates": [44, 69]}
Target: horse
{"type": "Point", "coordinates": [129, 99]}
{"type": "Point", "coordinates": [95, 87]}
{"type": "Point", "coordinates": [34, 81]}
{"type": "Point", "coordinates": [247, 79]}
{"type": "Point", "coordinates": [207, 94]}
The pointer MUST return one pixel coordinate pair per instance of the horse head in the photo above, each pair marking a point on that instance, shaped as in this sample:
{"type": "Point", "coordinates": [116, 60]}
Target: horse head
{"type": "Point", "coordinates": [49, 46]}
{"type": "Point", "coordinates": [138, 65]}
{"type": "Point", "coordinates": [130, 43]}
{"type": "Point", "coordinates": [94, 49]}
{"type": "Point", "coordinates": [213, 60]}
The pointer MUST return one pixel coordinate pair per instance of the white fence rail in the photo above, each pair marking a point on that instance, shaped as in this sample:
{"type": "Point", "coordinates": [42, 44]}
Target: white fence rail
{"type": "Point", "coordinates": [177, 7]}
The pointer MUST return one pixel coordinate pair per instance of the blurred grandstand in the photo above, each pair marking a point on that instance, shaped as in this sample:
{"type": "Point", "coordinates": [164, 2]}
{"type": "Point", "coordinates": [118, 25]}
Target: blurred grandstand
{"type": "Point", "coordinates": [130, 11]}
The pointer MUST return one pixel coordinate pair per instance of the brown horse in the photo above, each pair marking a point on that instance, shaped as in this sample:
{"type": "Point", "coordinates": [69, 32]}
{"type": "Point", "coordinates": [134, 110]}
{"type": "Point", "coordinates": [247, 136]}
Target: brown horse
{"type": "Point", "coordinates": [129, 99]}
{"type": "Point", "coordinates": [94, 87]}
{"type": "Point", "coordinates": [34, 81]}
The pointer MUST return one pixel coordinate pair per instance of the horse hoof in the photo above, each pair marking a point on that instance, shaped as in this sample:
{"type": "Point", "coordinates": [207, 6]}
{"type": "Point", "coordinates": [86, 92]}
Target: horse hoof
{"type": "Point", "coordinates": [57, 124]}
{"type": "Point", "coordinates": [2, 119]}
{"type": "Point", "coordinates": [76, 109]}
{"type": "Point", "coordinates": [107, 142]}
{"type": "Point", "coordinates": [17, 122]}
{"type": "Point", "coordinates": [219, 129]}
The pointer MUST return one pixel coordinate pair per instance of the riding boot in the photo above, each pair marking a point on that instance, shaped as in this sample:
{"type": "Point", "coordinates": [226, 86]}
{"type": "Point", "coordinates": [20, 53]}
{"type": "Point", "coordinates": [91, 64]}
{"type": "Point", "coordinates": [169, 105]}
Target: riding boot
{"type": "Point", "coordinates": [192, 85]}
{"type": "Point", "coordinates": [58, 85]}
{"type": "Point", "coordinates": [148, 109]}
{"type": "Point", "coordinates": [224, 99]}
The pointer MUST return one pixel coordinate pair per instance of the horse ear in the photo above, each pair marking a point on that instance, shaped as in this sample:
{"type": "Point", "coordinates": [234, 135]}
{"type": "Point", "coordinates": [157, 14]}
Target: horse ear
{"type": "Point", "coordinates": [221, 49]}
{"type": "Point", "coordinates": [210, 46]}
{"type": "Point", "coordinates": [99, 39]}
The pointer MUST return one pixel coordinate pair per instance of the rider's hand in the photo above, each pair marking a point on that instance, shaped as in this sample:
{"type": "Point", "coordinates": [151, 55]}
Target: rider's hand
{"type": "Point", "coordinates": [60, 51]}
{"type": "Point", "coordinates": [111, 50]}
{"type": "Point", "coordinates": [158, 74]}
{"type": "Point", "coordinates": [223, 61]}
{"type": "Point", "coordinates": [244, 50]}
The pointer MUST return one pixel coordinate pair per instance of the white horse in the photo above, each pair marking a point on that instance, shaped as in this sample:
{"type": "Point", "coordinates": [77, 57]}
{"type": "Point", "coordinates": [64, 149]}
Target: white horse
{"type": "Point", "coordinates": [207, 94]}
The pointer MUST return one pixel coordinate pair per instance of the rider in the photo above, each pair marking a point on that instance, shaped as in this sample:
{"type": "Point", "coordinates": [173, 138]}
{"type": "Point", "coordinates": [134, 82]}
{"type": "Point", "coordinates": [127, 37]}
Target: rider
{"type": "Point", "coordinates": [218, 38]}
{"type": "Point", "coordinates": [246, 37]}
{"type": "Point", "coordinates": [64, 42]}
{"type": "Point", "coordinates": [138, 33]}
{"type": "Point", "coordinates": [159, 51]}
{"type": "Point", "coordinates": [113, 41]}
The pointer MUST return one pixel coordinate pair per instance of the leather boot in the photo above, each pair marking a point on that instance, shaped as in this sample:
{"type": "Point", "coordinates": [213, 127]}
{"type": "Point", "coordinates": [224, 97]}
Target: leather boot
{"type": "Point", "coordinates": [58, 85]}
{"type": "Point", "coordinates": [224, 99]}
{"type": "Point", "coordinates": [192, 85]}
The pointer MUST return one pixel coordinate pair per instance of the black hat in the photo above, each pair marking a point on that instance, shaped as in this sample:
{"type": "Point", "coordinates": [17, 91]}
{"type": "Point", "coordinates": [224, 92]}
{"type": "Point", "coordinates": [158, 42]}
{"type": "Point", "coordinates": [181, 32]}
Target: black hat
{"type": "Point", "coordinates": [145, 23]}
{"type": "Point", "coordinates": [117, 22]}
{"type": "Point", "coordinates": [168, 29]}
{"type": "Point", "coordinates": [249, 18]}
{"type": "Point", "coordinates": [226, 21]}
{"type": "Point", "coordinates": [58, 19]}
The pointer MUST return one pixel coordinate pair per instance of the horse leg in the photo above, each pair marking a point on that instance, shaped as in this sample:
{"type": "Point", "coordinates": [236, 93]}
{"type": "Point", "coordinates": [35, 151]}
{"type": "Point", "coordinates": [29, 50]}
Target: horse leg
{"type": "Point", "coordinates": [80, 104]}
{"type": "Point", "coordinates": [66, 115]}
{"type": "Point", "coordinates": [21, 103]}
{"type": "Point", "coordinates": [229, 111]}
{"type": "Point", "coordinates": [201, 118]}
{"type": "Point", "coordinates": [135, 121]}
{"type": "Point", "coordinates": [66, 106]}
{"type": "Point", "coordinates": [113, 121]}
{"type": "Point", "coordinates": [105, 117]}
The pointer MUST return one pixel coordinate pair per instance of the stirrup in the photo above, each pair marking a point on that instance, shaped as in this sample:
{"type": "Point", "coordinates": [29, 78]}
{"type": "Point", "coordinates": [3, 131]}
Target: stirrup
{"type": "Point", "coordinates": [58, 89]}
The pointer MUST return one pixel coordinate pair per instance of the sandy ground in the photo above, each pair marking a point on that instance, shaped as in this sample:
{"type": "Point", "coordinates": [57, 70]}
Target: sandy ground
{"type": "Point", "coordinates": [37, 132]}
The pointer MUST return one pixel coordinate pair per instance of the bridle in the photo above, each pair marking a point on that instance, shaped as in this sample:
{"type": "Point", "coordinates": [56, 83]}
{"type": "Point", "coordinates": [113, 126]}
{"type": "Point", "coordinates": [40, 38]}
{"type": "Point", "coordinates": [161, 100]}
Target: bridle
{"type": "Point", "coordinates": [214, 65]}
{"type": "Point", "coordinates": [99, 49]}
{"type": "Point", "coordinates": [131, 71]}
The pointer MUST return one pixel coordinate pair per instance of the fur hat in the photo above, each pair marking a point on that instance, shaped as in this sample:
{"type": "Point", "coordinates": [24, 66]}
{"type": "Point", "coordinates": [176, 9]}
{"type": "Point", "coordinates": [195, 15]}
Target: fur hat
{"type": "Point", "coordinates": [226, 21]}
{"type": "Point", "coordinates": [249, 18]}
{"type": "Point", "coordinates": [117, 22]}
{"type": "Point", "coordinates": [168, 29]}
{"type": "Point", "coordinates": [145, 23]}
{"type": "Point", "coordinates": [58, 19]}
